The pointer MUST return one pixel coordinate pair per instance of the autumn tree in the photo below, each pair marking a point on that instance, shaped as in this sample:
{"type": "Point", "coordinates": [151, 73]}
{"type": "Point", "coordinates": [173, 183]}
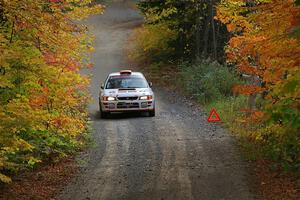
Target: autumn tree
{"type": "Point", "coordinates": [43, 97]}
{"type": "Point", "coordinates": [265, 46]}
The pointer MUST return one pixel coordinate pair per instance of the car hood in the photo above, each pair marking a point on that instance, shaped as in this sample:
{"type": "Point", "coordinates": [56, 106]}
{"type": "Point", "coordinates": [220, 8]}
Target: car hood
{"type": "Point", "coordinates": [127, 93]}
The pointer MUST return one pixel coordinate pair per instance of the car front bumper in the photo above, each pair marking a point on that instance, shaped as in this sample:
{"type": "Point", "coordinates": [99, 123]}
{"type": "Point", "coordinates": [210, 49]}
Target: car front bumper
{"type": "Point", "coordinates": [127, 106]}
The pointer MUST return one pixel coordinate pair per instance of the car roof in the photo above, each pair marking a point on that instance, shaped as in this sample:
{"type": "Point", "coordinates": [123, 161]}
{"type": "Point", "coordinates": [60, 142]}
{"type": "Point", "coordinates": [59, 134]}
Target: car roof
{"type": "Point", "coordinates": [132, 73]}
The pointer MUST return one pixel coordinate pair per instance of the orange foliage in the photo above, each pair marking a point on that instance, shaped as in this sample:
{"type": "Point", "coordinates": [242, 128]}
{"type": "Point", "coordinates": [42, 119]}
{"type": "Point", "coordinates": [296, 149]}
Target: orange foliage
{"type": "Point", "coordinates": [262, 44]}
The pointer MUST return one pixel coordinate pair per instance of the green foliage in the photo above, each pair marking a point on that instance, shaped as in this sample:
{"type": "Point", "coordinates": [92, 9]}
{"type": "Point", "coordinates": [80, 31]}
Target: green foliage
{"type": "Point", "coordinates": [281, 144]}
{"type": "Point", "coordinates": [153, 43]}
{"type": "Point", "coordinates": [208, 81]}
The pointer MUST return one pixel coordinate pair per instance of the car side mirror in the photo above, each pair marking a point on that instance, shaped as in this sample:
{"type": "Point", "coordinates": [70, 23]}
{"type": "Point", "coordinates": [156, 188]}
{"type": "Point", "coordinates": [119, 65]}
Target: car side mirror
{"type": "Point", "coordinates": [150, 84]}
{"type": "Point", "coordinates": [102, 86]}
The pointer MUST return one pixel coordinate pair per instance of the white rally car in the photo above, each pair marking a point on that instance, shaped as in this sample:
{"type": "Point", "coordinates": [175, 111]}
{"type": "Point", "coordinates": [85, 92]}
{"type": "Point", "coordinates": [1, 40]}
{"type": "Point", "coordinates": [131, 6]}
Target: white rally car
{"type": "Point", "coordinates": [126, 91]}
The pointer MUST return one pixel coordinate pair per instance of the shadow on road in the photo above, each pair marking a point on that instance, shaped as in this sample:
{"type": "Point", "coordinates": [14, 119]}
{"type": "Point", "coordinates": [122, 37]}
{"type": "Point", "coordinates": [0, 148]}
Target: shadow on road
{"type": "Point", "coordinates": [116, 116]}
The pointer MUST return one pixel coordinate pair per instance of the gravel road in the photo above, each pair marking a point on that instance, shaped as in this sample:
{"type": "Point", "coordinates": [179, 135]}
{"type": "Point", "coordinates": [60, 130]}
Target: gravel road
{"type": "Point", "coordinates": [175, 155]}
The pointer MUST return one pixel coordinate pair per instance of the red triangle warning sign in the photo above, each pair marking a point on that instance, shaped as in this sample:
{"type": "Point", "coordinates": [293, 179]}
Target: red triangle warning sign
{"type": "Point", "coordinates": [213, 116]}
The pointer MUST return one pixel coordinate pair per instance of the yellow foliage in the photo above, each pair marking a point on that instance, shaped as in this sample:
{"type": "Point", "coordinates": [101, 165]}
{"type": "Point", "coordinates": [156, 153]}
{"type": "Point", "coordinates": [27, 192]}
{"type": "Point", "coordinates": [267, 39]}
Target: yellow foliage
{"type": "Point", "coordinates": [43, 97]}
{"type": "Point", "coordinates": [152, 42]}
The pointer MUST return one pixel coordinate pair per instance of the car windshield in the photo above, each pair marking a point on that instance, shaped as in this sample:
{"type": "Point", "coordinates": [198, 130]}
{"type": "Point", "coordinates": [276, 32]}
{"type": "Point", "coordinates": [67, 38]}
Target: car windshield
{"type": "Point", "coordinates": [123, 82]}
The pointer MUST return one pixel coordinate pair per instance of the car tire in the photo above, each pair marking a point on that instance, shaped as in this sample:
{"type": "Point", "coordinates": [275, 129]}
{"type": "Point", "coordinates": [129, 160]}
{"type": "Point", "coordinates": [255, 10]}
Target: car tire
{"type": "Point", "coordinates": [103, 115]}
{"type": "Point", "coordinates": [152, 113]}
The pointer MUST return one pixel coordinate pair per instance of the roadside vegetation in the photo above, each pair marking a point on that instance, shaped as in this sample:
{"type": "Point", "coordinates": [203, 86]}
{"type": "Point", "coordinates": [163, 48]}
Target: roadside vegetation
{"type": "Point", "coordinates": [240, 57]}
{"type": "Point", "coordinates": [43, 97]}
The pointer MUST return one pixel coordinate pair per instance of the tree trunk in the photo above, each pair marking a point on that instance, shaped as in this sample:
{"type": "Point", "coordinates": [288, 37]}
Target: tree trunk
{"type": "Point", "coordinates": [213, 30]}
{"type": "Point", "coordinates": [255, 80]}
{"type": "Point", "coordinates": [198, 38]}
{"type": "Point", "coordinates": [206, 34]}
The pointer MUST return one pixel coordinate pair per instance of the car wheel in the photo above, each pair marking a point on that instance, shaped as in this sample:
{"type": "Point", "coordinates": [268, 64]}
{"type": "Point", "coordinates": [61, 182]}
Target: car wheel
{"type": "Point", "coordinates": [103, 115]}
{"type": "Point", "coordinates": [152, 113]}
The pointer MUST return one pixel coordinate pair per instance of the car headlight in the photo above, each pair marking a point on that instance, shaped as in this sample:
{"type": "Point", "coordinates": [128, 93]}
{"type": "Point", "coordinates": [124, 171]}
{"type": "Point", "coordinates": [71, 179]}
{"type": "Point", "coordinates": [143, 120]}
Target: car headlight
{"type": "Point", "coordinates": [148, 97]}
{"type": "Point", "coordinates": [105, 98]}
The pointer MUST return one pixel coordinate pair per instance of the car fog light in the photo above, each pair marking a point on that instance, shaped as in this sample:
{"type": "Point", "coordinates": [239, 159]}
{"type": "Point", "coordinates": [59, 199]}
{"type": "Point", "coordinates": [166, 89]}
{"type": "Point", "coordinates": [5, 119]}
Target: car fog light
{"type": "Point", "coordinates": [111, 105]}
{"type": "Point", "coordinates": [144, 104]}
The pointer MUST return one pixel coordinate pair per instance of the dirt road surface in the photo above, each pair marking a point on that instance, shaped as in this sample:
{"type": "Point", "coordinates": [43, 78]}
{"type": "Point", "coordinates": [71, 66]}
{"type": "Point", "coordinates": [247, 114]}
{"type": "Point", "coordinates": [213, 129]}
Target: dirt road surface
{"type": "Point", "coordinates": [175, 155]}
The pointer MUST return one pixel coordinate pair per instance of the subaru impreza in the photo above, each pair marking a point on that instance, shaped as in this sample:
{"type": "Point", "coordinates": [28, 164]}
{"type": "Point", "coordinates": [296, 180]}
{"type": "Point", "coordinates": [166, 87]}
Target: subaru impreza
{"type": "Point", "coordinates": [126, 91]}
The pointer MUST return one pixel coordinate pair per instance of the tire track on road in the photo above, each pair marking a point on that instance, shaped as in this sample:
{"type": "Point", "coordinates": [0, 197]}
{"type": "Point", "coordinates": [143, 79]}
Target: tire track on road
{"type": "Point", "coordinates": [176, 155]}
